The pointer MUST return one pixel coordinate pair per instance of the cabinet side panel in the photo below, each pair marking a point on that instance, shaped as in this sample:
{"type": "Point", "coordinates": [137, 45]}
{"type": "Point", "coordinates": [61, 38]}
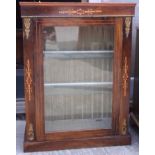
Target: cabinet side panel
{"type": "Point", "coordinates": [117, 72]}
{"type": "Point", "coordinates": [125, 84]}
{"type": "Point", "coordinates": [39, 98]}
{"type": "Point", "coordinates": [29, 77]}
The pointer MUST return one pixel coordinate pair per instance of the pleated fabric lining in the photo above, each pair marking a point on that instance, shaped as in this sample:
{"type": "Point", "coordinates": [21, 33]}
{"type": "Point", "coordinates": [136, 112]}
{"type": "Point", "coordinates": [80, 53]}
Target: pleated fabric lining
{"type": "Point", "coordinates": [94, 104]}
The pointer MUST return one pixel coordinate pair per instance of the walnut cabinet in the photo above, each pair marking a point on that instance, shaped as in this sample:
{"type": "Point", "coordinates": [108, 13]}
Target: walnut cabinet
{"type": "Point", "coordinates": [76, 72]}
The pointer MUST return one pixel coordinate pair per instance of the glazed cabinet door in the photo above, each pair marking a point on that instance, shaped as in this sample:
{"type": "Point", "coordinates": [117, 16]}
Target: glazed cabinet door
{"type": "Point", "coordinates": [77, 83]}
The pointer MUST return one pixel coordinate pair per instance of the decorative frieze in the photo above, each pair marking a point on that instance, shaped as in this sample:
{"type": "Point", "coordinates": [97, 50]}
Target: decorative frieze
{"type": "Point", "coordinates": [80, 11]}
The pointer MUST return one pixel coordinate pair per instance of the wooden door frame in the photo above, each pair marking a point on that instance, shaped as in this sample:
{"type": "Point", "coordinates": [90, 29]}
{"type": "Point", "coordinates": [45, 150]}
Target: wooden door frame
{"type": "Point", "coordinates": [38, 68]}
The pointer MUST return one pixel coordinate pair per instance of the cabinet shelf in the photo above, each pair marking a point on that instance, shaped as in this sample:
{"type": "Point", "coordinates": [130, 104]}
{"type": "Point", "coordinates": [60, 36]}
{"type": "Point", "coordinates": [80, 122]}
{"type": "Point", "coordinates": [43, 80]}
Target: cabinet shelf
{"type": "Point", "coordinates": [79, 84]}
{"type": "Point", "coordinates": [79, 54]}
{"type": "Point", "coordinates": [85, 88]}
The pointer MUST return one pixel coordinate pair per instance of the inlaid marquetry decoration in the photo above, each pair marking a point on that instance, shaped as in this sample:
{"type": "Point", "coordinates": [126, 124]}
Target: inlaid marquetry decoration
{"type": "Point", "coordinates": [27, 23]}
{"type": "Point", "coordinates": [124, 127]}
{"type": "Point", "coordinates": [28, 79]}
{"type": "Point", "coordinates": [80, 11]}
{"type": "Point", "coordinates": [127, 26]}
{"type": "Point", "coordinates": [125, 76]}
{"type": "Point", "coordinates": [30, 132]}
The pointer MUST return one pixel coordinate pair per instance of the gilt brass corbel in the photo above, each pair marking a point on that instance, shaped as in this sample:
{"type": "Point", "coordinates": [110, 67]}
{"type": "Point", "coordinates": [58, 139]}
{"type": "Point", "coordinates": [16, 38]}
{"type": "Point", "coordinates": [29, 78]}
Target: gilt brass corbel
{"type": "Point", "coordinates": [27, 24]}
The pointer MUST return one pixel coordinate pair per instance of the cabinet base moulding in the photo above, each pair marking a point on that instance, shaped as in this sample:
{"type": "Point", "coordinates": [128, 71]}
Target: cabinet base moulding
{"type": "Point", "coordinates": [76, 143]}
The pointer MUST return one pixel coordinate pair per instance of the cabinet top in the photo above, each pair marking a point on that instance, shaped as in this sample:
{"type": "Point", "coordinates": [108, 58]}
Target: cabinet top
{"type": "Point", "coordinates": [67, 9]}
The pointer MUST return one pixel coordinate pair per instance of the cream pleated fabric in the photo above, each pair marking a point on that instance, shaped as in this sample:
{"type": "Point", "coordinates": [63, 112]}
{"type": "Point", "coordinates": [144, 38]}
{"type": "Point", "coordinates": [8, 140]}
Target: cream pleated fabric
{"type": "Point", "coordinates": [78, 77]}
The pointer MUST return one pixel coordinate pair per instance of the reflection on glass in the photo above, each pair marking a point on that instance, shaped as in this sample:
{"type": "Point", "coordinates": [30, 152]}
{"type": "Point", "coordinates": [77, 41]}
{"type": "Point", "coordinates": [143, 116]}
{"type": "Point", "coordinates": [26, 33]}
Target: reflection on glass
{"type": "Point", "coordinates": [78, 77]}
{"type": "Point", "coordinates": [78, 38]}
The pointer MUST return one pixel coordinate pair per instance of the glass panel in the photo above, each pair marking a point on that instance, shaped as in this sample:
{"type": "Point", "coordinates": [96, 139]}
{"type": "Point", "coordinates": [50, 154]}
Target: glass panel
{"type": "Point", "coordinates": [78, 69]}
{"type": "Point", "coordinates": [78, 77]}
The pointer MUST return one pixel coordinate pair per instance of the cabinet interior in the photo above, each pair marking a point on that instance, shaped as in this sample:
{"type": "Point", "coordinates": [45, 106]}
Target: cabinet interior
{"type": "Point", "coordinates": [78, 77]}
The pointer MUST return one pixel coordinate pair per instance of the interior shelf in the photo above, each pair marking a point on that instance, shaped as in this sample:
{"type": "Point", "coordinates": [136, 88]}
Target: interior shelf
{"type": "Point", "coordinates": [79, 84]}
{"type": "Point", "coordinates": [79, 54]}
{"type": "Point", "coordinates": [83, 88]}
